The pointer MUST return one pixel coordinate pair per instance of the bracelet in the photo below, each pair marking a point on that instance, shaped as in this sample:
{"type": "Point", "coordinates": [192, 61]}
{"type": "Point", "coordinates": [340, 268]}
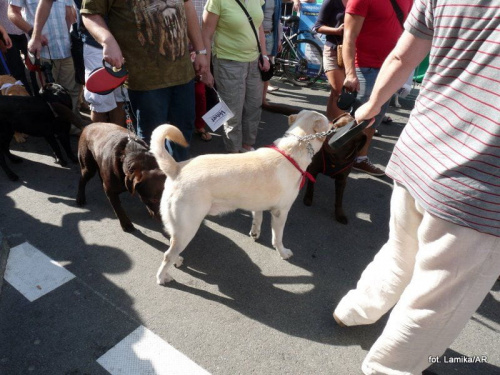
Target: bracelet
{"type": "Point", "coordinates": [266, 57]}
{"type": "Point", "coordinates": [201, 52]}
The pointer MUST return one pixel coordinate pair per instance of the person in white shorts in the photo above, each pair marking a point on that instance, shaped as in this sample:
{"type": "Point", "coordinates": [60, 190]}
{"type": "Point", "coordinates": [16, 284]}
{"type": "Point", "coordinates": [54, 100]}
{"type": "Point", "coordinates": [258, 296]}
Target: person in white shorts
{"type": "Point", "coordinates": [103, 108]}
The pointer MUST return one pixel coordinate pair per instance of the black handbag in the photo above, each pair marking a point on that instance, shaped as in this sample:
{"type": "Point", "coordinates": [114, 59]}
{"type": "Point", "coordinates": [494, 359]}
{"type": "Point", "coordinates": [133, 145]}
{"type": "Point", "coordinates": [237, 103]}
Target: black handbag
{"type": "Point", "coordinates": [266, 76]}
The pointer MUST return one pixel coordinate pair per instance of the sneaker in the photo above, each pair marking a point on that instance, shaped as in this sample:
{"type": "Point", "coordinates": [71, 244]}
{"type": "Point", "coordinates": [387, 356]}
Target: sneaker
{"type": "Point", "coordinates": [367, 167]}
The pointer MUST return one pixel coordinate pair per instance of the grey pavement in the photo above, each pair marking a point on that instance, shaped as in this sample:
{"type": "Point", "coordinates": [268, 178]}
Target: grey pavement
{"type": "Point", "coordinates": [235, 307]}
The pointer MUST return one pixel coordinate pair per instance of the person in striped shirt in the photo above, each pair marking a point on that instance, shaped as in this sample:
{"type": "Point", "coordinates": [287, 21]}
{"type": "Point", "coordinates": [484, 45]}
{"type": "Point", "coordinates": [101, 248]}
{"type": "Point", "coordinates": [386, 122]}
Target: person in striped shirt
{"type": "Point", "coordinates": [443, 252]}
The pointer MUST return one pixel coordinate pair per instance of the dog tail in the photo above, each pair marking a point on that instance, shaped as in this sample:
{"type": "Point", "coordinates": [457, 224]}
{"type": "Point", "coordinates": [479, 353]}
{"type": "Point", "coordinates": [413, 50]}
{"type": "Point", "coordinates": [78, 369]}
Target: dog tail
{"type": "Point", "coordinates": [166, 162]}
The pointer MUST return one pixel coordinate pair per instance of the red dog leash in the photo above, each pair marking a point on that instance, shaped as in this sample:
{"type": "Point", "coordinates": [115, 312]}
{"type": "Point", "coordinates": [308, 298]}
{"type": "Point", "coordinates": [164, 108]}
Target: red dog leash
{"type": "Point", "coordinates": [304, 174]}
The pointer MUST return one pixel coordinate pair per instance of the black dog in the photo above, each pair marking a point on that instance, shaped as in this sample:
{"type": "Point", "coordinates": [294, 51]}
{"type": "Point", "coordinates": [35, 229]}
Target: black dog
{"type": "Point", "coordinates": [337, 164]}
{"type": "Point", "coordinates": [45, 116]}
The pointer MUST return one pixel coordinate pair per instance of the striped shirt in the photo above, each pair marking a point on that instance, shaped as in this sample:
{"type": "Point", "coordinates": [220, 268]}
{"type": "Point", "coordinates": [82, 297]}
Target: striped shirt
{"type": "Point", "coordinates": [55, 29]}
{"type": "Point", "coordinates": [448, 155]}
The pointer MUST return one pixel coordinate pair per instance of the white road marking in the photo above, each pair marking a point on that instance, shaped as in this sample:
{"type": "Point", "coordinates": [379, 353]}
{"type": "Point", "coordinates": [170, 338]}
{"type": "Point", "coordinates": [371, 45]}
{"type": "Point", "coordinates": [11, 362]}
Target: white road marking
{"type": "Point", "coordinates": [33, 273]}
{"type": "Point", "coordinates": [143, 352]}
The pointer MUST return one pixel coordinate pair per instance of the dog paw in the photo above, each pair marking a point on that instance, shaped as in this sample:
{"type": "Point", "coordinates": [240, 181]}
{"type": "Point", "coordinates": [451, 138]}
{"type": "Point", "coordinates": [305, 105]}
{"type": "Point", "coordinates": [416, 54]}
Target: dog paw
{"type": "Point", "coordinates": [285, 253]}
{"type": "Point", "coordinates": [164, 280]}
{"type": "Point", "coordinates": [179, 261]}
{"type": "Point", "coordinates": [342, 219]}
{"type": "Point", "coordinates": [255, 234]}
{"type": "Point", "coordinates": [128, 227]}
{"type": "Point", "coordinates": [81, 202]}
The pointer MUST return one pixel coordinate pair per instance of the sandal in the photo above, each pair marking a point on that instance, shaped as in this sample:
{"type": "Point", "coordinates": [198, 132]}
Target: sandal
{"type": "Point", "coordinates": [204, 135]}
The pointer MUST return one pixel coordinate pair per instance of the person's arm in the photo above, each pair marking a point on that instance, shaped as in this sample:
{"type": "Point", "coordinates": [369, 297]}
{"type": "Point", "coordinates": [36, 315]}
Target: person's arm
{"type": "Point", "coordinates": [194, 34]}
{"type": "Point", "coordinates": [210, 21]}
{"type": "Point", "coordinates": [37, 40]}
{"type": "Point", "coordinates": [70, 16]}
{"type": "Point", "coordinates": [328, 30]}
{"type": "Point", "coordinates": [15, 16]}
{"type": "Point", "coordinates": [352, 28]}
{"type": "Point", "coordinates": [395, 70]}
{"type": "Point", "coordinates": [96, 26]}
{"type": "Point", "coordinates": [5, 37]}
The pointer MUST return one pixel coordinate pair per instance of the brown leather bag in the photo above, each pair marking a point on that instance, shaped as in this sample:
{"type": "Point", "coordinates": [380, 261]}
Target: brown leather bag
{"type": "Point", "coordinates": [340, 60]}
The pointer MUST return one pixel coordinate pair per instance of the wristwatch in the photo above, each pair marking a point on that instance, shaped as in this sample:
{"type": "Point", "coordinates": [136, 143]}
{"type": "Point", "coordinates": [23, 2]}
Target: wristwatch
{"type": "Point", "coordinates": [201, 52]}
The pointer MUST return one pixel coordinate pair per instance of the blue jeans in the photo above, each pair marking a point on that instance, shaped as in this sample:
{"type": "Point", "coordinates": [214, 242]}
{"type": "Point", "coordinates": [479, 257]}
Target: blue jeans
{"type": "Point", "coordinates": [174, 105]}
{"type": "Point", "coordinates": [367, 78]}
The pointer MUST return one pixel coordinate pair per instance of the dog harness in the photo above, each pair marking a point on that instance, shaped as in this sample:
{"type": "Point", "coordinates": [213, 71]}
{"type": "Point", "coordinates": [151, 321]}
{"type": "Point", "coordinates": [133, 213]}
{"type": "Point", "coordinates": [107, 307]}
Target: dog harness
{"type": "Point", "coordinates": [304, 174]}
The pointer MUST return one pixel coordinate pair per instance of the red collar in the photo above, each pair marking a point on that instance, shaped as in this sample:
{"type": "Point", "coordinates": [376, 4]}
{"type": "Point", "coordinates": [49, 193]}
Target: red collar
{"type": "Point", "coordinates": [294, 163]}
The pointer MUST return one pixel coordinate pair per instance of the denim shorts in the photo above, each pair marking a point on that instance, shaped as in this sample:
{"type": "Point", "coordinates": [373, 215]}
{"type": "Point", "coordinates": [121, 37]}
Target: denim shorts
{"type": "Point", "coordinates": [367, 78]}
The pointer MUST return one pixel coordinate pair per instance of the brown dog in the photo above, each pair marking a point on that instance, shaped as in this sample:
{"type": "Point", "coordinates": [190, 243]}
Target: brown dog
{"type": "Point", "coordinates": [9, 86]}
{"type": "Point", "coordinates": [337, 164]}
{"type": "Point", "coordinates": [123, 164]}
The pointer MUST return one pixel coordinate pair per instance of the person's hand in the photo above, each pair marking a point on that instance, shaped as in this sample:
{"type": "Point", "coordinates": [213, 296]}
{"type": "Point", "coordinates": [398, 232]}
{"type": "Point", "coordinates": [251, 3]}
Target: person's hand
{"type": "Point", "coordinates": [112, 54]}
{"type": "Point", "coordinates": [200, 64]}
{"type": "Point", "coordinates": [265, 66]}
{"type": "Point", "coordinates": [351, 82]}
{"type": "Point", "coordinates": [35, 45]}
{"type": "Point", "coordinates": [208, 79]}
{"type": "Point", "coordinates": [6, 39]}
{"type": "Point", "coordinates": [367, 111]}
{"type": "Point", "coordinates": [340, 30]}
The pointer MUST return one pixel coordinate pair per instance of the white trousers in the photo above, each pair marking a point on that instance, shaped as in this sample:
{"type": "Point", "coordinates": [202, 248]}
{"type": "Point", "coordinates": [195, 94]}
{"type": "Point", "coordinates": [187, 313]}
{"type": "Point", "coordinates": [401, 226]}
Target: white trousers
{"type": "Point", "coordinates": [436, 273]}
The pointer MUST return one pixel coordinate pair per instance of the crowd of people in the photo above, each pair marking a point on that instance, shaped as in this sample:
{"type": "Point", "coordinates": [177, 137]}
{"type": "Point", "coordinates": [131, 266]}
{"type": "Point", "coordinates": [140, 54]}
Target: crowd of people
{"type": "Point", "coordinates": [443, 251]}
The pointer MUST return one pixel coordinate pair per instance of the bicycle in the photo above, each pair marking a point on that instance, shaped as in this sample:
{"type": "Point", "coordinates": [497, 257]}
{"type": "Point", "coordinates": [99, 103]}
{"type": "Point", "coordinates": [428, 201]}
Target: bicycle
{"type": "Point", "coordinates": [300, 60]}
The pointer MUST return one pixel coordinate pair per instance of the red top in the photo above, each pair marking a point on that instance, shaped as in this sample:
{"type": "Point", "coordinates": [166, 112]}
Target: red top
{"type": "Point", "coordinates": [380, 32]}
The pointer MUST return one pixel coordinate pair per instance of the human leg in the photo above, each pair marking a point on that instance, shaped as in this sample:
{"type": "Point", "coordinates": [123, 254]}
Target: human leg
{"type": "Point", "coordinates": [201, 109]}
{"type": "Point", "coordinates": [14, 61]}
{"type": "Point", "coordinates": [231, 80]}
{"type": "Point", "coordinates": [64, 74]}
{"type": "Point", "coordinates": [384, 279]}
{"type": "Point", "coordinates": [455, 269]}
{"type": "Point", "coordinates": [103, 107]}
{"type": "Point", "coordinates": [367, 78]}
{"type": "Point", "coordinates": [252, 107]}
{"type": "Point", "coordinates": [335, 76]}
{"type": "Point", "coordinates": [181, 113]}
{"type": "Point", "coordinates": [150, 109]}
{"type": "Point", "coordinates": [266, 86]}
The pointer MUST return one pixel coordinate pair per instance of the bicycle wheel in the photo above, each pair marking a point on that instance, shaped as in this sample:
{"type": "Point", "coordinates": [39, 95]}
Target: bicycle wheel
{"type": "Point", "coordinates": [302, 62]}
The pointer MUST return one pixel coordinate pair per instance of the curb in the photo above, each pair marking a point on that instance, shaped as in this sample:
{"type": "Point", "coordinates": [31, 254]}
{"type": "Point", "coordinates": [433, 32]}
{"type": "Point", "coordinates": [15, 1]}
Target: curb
{"type": "Point", "coordinates": [4, 255]}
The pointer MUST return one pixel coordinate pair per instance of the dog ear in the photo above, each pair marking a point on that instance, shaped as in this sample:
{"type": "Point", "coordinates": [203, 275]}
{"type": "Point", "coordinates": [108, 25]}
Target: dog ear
{"type": "Point", "coordinates": [132, 179]}
{"type": "Point", "coordinates": [291, 119]}
{"type": "Point", "coordinates": [320, 125]}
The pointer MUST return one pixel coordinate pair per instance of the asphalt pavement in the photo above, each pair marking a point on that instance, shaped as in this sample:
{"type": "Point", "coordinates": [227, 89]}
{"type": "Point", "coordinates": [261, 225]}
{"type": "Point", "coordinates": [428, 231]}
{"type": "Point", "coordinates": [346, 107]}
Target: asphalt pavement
{"type": "Point", "coordinates": [79, 295]}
